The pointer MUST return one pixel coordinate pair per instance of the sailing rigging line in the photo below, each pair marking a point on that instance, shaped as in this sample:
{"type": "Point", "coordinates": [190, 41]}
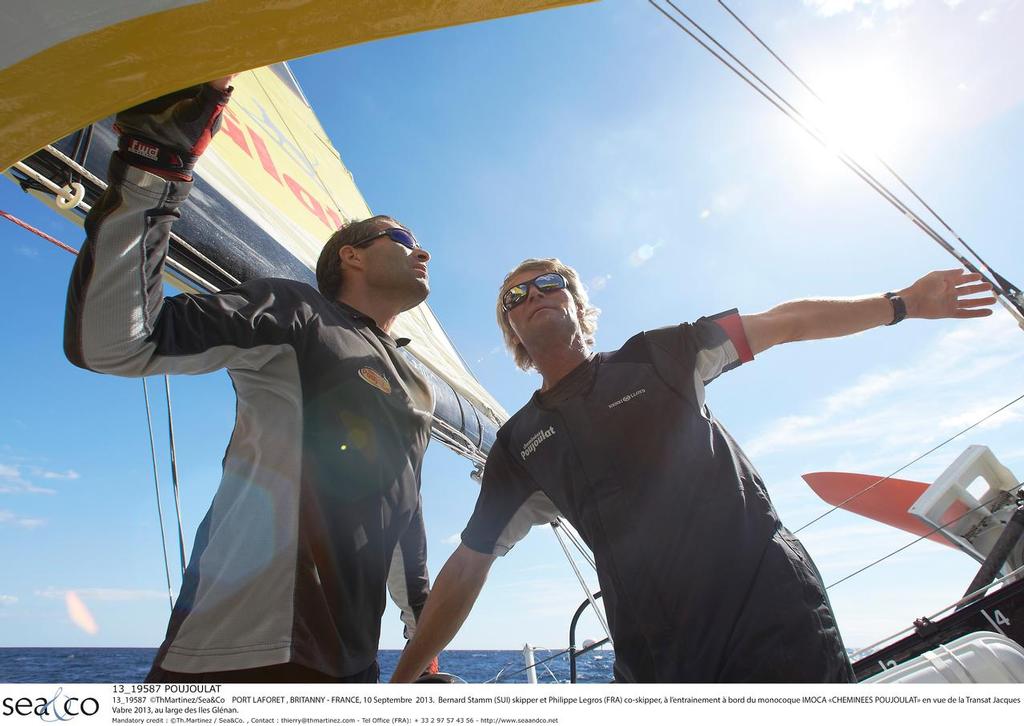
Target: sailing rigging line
{"type": "Point", "coordinates": [33, 230]}
{"type": "Point", "coordinates": [1008, 287]}
{"type": "Point", "coordinates": [940, 528]}
{"type": "Point", "coordinates": [868, 649]}
{"type": "Point", "coordinates": [523, 670]}
{"type": "Point", "coordinates": [573, 537]}
{"type": "Point", "coordinates": [179, 270]}
{"type": "Point", "coordinates": [911, 463]}
{"type": "Point", "coordinates": [181, 535]}
{"type": "Point", "coordinates": [83, 143]}
{"type": "Point", "coordinates": [456, 440]}
{"type": "Point", "coordinates": [583, 583]}
{"type": "Point", "coordinates": [75, 165]}
{"type": "Point", "coordinates": [174, 473]}
{"type": "Point", "coordinates": [851, 163]}
{"type": "Point", "coordinates": [156, 482]}
{"type": "Point", "coordinates": [102, 185]}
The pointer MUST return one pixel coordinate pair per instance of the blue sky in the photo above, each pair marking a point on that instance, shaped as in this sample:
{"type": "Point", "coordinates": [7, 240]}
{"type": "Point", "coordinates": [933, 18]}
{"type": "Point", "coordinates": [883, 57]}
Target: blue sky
{"type": "Point", "coordinates": [600, 135]}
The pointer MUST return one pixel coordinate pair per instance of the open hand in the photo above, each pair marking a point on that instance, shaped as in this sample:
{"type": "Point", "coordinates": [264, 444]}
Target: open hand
{"type": "Point", "coordinates": [945, 294]}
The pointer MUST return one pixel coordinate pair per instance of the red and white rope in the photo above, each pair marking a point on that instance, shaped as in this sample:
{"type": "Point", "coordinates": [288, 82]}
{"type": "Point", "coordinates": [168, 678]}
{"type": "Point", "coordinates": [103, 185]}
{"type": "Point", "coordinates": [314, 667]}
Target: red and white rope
{"type": "Point", "coordinates": [30, 228]}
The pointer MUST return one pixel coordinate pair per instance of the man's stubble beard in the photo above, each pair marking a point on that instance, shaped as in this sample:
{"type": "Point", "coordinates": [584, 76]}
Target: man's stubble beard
{"type": "Point", "coordinates": [554, 333]}
{"type": "Point", "coordinates": [402, 286]}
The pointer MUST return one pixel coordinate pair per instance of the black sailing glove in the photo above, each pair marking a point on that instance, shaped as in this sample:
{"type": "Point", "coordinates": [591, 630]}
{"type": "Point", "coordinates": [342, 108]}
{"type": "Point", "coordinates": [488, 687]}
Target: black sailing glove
{"type": "Point", "coordinates": [167, 135]}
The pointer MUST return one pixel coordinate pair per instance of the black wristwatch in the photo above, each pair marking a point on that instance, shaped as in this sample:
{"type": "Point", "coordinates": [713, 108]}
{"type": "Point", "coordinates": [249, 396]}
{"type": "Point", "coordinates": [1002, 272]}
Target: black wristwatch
{"type": "Point", "coordinates": [899, 307]}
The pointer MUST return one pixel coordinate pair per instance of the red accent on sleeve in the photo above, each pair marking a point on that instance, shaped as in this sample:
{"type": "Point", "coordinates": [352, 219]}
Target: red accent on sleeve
{"type": "Point", "coordinates": [733, 327]}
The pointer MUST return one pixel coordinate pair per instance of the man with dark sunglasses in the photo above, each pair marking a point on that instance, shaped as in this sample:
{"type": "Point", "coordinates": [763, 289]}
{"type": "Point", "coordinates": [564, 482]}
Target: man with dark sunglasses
{"type": "Point", "coordinates": [699, 580]}
{"type": "Point", "coordinates": [318, 510]}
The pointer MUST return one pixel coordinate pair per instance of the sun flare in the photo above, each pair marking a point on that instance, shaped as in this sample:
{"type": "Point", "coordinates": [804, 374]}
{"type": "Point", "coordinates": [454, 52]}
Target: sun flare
{"type": "Point", "coordinates": [870, 111]}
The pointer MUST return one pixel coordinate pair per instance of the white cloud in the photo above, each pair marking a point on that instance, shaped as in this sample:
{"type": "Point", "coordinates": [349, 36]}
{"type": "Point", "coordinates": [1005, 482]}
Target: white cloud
{"type": "Point", "coordinates": [964, 418]}
{"type": "Point", "coordinates": [899, 408]}
{"type": "Point", "coordinates": [14, 481]}
{"type": "Point", "coordinates": [45, 474]}
{"type": "Point", "coordinates": [705, 213]}
{"type": "Point", "coordinates": [8, 600]}
{"type": "Point", "coordinates": [839, 550]}
{"type": "Point", "coordinates": [642, 254]}
{"type": "Point", "coordinates": [598, 283]}
{"type": "Point", "coordinates": [102, 594]}
{"type": "Point", "coordinates": [896, 4]}
{"type": "Point", "coordinates": [987, 16]}
{"type": "Point", "coordinates": [452, 539]}
{"type": "Point", "coordinates": [492, 352]}
{"type": "Point", "coordinates": [541, 597]}
{"type": "Point", "coordinates": [829, 8]}
{"type": "Point", "coordinates": [9, 517]}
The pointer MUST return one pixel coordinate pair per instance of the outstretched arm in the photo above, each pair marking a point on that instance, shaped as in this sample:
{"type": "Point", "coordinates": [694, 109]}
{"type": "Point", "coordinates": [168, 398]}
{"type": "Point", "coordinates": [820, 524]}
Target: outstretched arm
{"type": "Point", "coordinates": [939, 294]}
{"type": "Point", "coordinates": [451, 598]}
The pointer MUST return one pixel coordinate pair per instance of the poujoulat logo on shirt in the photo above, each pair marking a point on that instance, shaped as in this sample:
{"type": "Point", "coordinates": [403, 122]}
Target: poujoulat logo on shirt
{"type": "Point", "coordinates": [536, 440]}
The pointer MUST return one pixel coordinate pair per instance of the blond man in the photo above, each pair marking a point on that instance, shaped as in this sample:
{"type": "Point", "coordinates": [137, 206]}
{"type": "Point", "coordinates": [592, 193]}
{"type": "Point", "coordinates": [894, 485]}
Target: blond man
{"type": "Point", "coordinates": [700, 580]}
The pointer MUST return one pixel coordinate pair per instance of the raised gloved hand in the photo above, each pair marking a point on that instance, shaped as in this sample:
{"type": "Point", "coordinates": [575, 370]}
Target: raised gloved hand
{"type": "Point", "coordinates": [167, 135]}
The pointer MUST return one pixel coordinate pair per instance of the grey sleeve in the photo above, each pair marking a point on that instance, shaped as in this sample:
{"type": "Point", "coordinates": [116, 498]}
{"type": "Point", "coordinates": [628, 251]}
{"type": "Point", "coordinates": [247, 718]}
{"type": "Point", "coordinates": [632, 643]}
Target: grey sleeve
{"type": "Point", "coordinates": [509, 505]}
{"type": "Point", "coordinates": [408, 579]}
{"type": "Point", "coordinates": [117, 320]}
{"type": "Point", "coordinates": [691, 355]}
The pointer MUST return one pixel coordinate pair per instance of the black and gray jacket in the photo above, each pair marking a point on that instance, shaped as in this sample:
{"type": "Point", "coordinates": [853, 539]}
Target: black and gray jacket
{"type": "Point", "coordinates": [698, 580]}
{"type": "Point", "coordinates": [319, 498]}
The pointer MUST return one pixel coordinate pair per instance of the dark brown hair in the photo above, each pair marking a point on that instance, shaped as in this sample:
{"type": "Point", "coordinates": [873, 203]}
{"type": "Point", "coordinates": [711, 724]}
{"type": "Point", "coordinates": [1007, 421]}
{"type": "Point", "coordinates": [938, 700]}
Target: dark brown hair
{"type": "Point", "coordinates": [328, 266]}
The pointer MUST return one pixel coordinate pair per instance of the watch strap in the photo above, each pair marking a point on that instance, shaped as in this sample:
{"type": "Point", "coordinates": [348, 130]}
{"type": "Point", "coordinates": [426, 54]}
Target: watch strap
{"type": "Point", "coordinates": [899, 307]}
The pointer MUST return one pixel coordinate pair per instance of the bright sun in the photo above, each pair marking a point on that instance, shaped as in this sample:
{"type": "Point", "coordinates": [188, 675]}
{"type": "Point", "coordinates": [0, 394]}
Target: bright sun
{"type": "Point", "coordinates": [871, 111]}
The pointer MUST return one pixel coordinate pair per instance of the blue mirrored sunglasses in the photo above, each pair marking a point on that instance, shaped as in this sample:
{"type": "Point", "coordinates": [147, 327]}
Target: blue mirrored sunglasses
{"type": "Point", "coordinates": [402, 236]}
{"type": "Point", "coordinates": [547, 282]}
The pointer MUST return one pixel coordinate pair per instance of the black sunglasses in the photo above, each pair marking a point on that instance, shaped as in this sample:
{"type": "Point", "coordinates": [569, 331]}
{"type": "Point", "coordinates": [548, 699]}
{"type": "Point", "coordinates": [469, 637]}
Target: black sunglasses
{"type": "Point", "coordinates": [548, 282]}
{"type": "Point", "coordinates": [402, 236]}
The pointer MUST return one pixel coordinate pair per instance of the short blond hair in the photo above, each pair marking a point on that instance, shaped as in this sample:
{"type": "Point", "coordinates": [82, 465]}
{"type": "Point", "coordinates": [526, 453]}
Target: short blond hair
{"type": "Point", "coordinates": [587, 313]}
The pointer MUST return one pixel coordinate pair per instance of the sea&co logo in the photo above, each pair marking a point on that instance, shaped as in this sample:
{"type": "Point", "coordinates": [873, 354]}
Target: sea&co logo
{"type": "Point", "coordinates": [59, 707]}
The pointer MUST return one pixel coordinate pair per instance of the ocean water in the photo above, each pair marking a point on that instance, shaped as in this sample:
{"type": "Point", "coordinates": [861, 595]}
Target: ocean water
{"type": "Point", "coordinates": [130, 665]}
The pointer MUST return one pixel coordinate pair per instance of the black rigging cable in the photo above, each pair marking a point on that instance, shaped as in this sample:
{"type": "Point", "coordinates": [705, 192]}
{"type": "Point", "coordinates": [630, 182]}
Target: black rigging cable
{"type": "Point", "coordinates": [156, 482]}
{"type": "Point", "coordinates": [777, 100]}
{"type": "Point", "coordinates": [1008, 288]}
